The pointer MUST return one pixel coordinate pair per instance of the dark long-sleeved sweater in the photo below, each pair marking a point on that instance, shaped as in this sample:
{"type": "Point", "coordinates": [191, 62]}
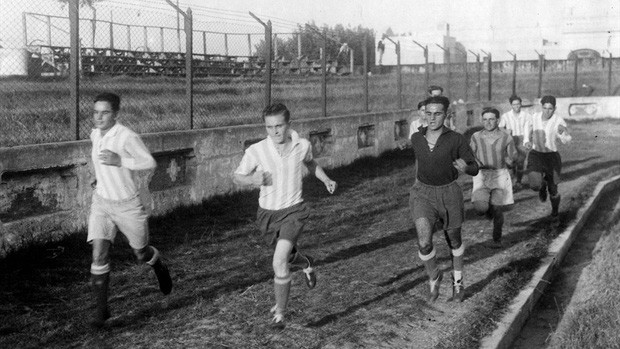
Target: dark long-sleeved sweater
{"type": "Point", "coordinates": [436, 167]}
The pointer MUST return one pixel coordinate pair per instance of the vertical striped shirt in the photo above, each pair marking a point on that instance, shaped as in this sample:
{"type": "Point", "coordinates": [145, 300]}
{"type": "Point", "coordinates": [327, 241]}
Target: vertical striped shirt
{"type": "Point", "coordinates": [516, 123]}
{"type": "Point", "coordinates": [415, 126]}
{"type": "Point", "coordinates": [545, 133]}
{"type": "Point", "coordinates": [113, 182]}
{"type": "Point", "coordinates": [286, 170]}
{"type": "Point", "coordinates": [492, 148]}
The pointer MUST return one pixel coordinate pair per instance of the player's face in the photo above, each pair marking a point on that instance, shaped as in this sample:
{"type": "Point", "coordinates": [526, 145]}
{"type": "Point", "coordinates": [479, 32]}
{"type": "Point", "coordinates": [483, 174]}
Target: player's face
{"type": "Point", "coordinates": [490, 121]}
{"type": "Point", "coordinates": [104, 117]}
{"type": "Point", "coordinates": [277, 128]}
{"type": "Point", "coordinates": [435, 115]}
{"type": "Point", "coordinates": [422, 112]}
{"type": "Point", "coordinates": [516, 106]}
{"type": "Point", "coordinates": [547, 110]}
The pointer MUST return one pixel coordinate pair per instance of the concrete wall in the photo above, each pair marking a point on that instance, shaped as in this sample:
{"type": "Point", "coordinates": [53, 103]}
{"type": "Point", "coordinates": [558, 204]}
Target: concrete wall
{"type": "Point", "coordinates": [46, 189]}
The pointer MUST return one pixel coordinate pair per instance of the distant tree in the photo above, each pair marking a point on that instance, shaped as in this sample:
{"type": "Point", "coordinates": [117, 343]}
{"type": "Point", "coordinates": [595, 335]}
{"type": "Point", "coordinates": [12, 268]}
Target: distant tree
{"type": "Point", "coordinates": [311, 42]}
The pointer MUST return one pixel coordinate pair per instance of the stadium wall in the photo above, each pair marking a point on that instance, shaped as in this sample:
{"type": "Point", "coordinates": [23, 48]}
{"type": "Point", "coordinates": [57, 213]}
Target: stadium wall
{"type": "Point", "coordinates": [46, 188]}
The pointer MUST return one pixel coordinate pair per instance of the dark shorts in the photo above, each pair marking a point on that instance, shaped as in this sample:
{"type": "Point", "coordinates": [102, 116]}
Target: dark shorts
{"type": "Point", "coordinates": [284, 224]}
{"type": "Point", "coordinates": [549, 164]}
{"type": "Point", "coordinates": [442, 204]}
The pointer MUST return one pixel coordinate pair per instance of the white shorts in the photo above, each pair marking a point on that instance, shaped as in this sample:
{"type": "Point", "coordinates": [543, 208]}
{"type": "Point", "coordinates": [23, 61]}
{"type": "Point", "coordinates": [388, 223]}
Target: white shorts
{"type": "Point", "coordinates": [493, 186]}
{"type": "Point", "coordinates": [128, 216]}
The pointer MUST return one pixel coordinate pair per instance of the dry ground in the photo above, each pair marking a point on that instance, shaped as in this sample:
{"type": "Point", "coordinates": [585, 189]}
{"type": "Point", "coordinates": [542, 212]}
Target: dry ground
{"type": "Point", "coordinates": [371, 291]}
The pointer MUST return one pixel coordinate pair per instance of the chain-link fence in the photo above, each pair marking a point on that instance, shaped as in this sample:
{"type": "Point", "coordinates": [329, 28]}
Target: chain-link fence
{"type": "Point", "coordinates": [142, 50]}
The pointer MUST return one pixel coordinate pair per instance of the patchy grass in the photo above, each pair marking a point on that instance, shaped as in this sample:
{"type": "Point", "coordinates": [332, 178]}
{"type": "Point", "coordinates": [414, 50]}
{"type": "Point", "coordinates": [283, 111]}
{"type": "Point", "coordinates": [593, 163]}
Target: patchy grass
{"type": "Point", "coordinates": [592, 318]}
{"type": "Point", "coordinates": [371, 289]}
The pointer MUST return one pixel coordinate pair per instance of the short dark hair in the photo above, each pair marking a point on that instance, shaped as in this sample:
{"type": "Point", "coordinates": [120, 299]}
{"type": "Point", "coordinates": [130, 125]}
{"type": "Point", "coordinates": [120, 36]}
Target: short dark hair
{"type": "Point", "coordinates": [277, 109]}
{"type": "Point", "coordinates": [548, 99]}
{"type": "Point", "coordinates": [434, 88]}
{"type": "Point", "coordinates": [439, 100]}
{"type": "Point", "coordinates": [112, 98]}
{"type": "Point", "coordinates": [490, 110]}
{"type": "Point", "coordinates": [421, 104]}
{"type": "Point", "coordinates": [514, 98]}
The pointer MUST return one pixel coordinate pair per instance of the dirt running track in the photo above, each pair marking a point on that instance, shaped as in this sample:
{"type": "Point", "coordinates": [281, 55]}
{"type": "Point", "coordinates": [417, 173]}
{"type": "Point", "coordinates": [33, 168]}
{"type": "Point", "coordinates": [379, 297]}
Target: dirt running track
{"type": "Point", "coordinates": [371, 291]}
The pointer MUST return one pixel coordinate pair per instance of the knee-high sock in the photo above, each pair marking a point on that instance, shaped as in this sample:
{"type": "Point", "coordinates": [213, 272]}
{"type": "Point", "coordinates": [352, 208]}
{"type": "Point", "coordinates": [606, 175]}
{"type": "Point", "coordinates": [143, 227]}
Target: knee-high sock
{"type": "Point", "coordinates": [457, 258]}
{"type": "Point", "coordinates": [100, 281]}
{"type": "Point", "coordinates": [430, 264]}
{"type": "Point", "coordinates": [555, 203]}
{"type": "Point", "coordinates": [498, 223]}
{"type": "Point", "coordinates": [282, 287]}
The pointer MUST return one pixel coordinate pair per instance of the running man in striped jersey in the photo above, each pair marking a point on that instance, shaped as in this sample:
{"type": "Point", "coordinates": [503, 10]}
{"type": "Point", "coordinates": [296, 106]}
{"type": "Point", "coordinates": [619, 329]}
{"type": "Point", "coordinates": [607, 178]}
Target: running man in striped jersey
{"type": "Point", "coordinates": [544, 162]}
{"type": "Point", "coordinates": [492, 186]}
{"type": "Point", "coordinates": [516, 121]}
{"type": "Point", "coordinates": [275, 165]}
{"type": "Point", "coordinates": [117, 152]}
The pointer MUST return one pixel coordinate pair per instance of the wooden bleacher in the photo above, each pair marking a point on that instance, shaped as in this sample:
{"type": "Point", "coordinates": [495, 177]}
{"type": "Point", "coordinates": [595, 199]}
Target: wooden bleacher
{"type": "Point", "coordinates": [107, 61]}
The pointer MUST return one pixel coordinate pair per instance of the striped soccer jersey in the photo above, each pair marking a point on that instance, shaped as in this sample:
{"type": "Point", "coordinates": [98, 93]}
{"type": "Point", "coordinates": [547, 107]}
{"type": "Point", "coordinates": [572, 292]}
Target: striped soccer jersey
{"type": "Point", "coordinates": [492, 148]}
{"type": "Point", "coordinates": [516, 123]}
{"type": "Point", "coordinates": [286, 170]}
{"type": "Point", "coordinates": [545, 133]}
{"type": "Point", "coordinates": [118, 183]}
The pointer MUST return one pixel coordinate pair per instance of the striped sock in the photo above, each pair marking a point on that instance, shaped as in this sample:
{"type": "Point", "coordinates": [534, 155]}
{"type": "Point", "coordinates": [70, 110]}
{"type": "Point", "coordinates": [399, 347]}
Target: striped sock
{"type": "Point", "coordinates": [281, 287]}
{"type": "Point", "coordinates": [457, 261]}
{"type": "Point", "coordinates": [430, 264]}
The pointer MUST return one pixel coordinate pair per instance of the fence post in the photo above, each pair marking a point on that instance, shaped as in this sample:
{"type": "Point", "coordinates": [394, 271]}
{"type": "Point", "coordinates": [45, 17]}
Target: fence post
{"type": "Point", "coordinates": [25, 29]}
{"type": "Point", "coordinates": [477, 74]}
{"type": "Point", "coordinates": [541, 63]}
{"type": "Point", "coordinates": [514, 73]}
{"type": "Point", "coordinates": [189, 68]}
{"type": "Point", "coordinates": [146, 40]}
{"type": "Point", "coordinates": [93, 25]}
{"type": "Point", "coordinates": [226, 43]}
{"type": "Point", "coordinates": [609, 75]}
{"type": "Point", "coordinates": [128, 37]}
{"type": "Point", "coordinates": [204, 42]}
{"type": "Point", "coordinates": [426, 73]}
{"type": "Point", "coordinates": [352, 65]}
{"type": "Point", "coordinates": [490, 69]}
{"type": "Point", "coordinates": [161, 39]}
{"type": "Point", "coordinates": [74, 67]}
{"type": "Point", "coordinates": [249, 45]}
{"type": "Point", "coordinates": [466, 73]}
{"type": "Point", "coordinates": [399, 78]}
{"type": "Point", "coordinates": [448, 71]}
{"type": "Point", "coordinates": [576, 72]}
{"type": "Point", "coordinates": [365, 54]}
{"type": "Point", "coordinates": [49, 30]}
{"type": "Point", "coordinates": [112, 31]}
{"type": "Point", "coordinates": [324, 75]}
{"type": "Point", "coordinates": [268, 58]}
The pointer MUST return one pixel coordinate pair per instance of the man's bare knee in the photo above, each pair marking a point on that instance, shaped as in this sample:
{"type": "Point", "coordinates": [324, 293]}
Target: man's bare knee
{"type": "Point", "coordinates": [481, 207]}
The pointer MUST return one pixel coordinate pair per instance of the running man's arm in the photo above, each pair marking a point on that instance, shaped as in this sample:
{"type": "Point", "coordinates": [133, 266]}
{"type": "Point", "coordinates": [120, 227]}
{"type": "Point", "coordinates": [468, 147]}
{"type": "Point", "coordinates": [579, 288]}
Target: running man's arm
{"type": "Point", "coordinates": [563, 134]}
{"type": "Point", "coordinates": [466, 162]}
{"type": "Point", "coordinates": [248, 175]}
{"type": "Point", "coordinates": [318, 172]}
{"type": "Point", "coordinates": [511, 152]}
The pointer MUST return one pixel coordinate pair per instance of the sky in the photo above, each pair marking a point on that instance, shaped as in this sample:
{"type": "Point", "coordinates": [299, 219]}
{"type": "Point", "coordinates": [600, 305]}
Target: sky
{"type": "Point", "coordinates": [478, 24]}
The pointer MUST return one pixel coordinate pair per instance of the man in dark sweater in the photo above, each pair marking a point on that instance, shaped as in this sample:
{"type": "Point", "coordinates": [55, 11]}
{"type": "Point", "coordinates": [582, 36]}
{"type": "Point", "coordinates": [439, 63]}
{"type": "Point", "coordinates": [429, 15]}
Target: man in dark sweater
{"type": "Point", "coordinates": [436, 197]}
